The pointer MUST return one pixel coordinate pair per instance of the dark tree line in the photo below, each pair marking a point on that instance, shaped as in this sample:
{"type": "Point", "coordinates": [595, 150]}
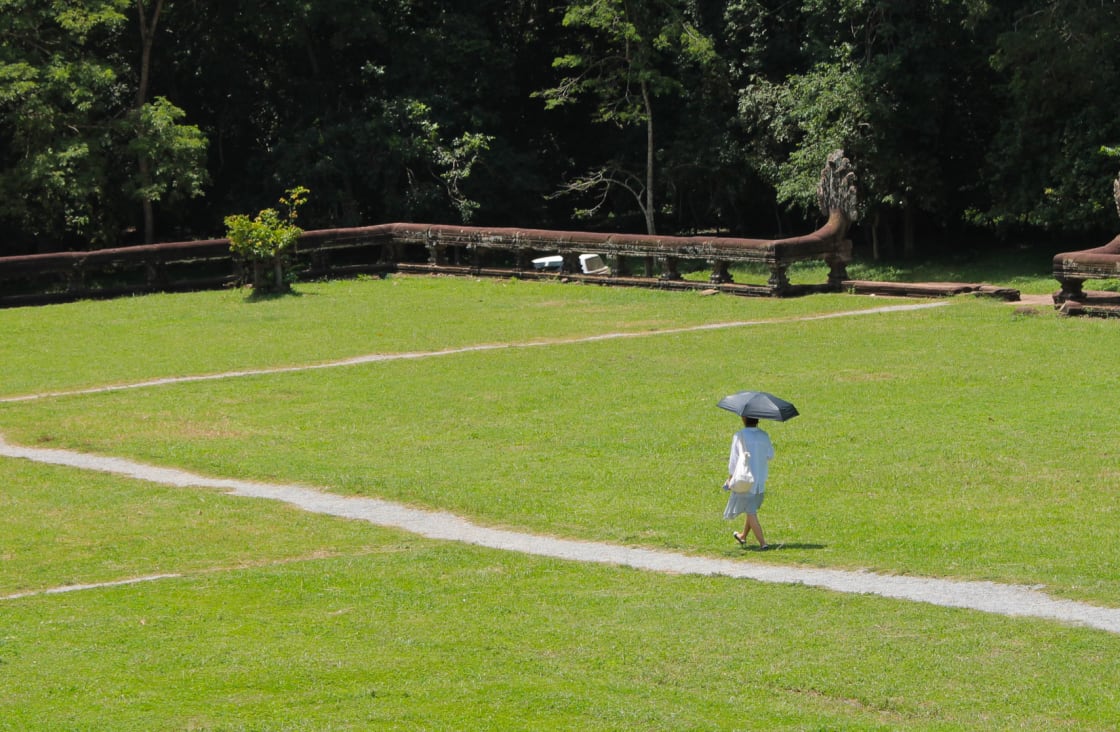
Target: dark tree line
{"type": "Point", "coordinates": [123, 121]}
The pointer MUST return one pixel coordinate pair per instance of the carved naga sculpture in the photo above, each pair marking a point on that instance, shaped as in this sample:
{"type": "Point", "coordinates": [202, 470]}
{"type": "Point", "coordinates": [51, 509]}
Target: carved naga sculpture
{"type": "Point", "coordinates": [838, 198]}
{"type": "Point", "coordinates": [838, 194]}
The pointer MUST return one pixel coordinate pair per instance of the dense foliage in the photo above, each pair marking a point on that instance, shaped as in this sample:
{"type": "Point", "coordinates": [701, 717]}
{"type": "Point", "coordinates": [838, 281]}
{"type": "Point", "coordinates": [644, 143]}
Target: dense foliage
{"type": "Point", "coordinates": [130, 120]}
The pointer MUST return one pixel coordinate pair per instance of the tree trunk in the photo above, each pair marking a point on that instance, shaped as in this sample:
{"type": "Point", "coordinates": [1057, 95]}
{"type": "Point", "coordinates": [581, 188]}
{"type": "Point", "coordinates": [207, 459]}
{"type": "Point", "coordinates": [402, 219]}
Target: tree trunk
{"type": "Point", "coordinates": [876, 252]}
{"type": "Point", "coordinates": [146, 203]}
{"type": "Point", "coordinates": [258, 275]}
{"type": "Point", "coordinates": [909, 247]}
{"type": "Point", "coordinates": [651, 227]}
{"type": "Point", "coordinates": [147, 40]}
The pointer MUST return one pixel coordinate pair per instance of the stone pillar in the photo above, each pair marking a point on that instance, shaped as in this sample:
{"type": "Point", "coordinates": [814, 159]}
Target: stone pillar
{"type": "Point", "coordinates": [155, 273]}
{"type": "Point", "coordinates": [778, 282]}
{"type": "Point", "coordinates": [76, 278]}
{"type": "Point", "coordinates": [720, 274]}
{"type": "Point", "coordinates": [837, 272]}
{"type": "Point", "coordinates": [1071, 290]}
{"type": "Point", "coordinates": [620, 265]}
{"type": "Point", "coordinates": [669, 269]}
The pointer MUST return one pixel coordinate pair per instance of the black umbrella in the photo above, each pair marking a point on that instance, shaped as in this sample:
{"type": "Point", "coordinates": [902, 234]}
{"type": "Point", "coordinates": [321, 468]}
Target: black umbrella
{"type": "Point", "coordinates": [758, 405]}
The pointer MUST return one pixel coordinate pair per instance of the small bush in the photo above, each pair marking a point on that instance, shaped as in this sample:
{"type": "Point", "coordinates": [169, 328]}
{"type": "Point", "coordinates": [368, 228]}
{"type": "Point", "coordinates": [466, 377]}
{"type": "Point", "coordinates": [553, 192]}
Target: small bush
{"type": "Point", "coordinates": [266, 240]}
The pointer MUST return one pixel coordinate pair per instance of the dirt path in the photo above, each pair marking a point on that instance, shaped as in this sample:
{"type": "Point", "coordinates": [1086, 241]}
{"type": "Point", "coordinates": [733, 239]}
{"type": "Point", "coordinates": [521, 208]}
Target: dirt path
{"type": "Point", "coordinates": [1014, 600]}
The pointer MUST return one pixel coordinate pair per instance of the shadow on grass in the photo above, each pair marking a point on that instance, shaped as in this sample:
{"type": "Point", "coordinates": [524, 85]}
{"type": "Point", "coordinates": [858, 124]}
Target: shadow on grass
{"type": "Point", "coordinates": [780, 545]}
{"type": "Point", "coordinates": [995, 265]}
{"type": "Point", "coordinates": [270, 296]}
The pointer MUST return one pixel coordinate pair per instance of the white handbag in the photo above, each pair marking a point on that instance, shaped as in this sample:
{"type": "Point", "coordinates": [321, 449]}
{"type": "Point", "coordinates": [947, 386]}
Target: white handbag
{"type": "Point", "coordinates": [742, 480]}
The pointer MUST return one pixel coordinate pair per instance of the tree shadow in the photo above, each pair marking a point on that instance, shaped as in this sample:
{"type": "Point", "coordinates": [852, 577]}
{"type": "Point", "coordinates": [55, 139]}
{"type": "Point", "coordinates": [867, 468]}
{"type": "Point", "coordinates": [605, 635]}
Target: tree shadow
{"type": "Point", "coordinates": [269, 296]}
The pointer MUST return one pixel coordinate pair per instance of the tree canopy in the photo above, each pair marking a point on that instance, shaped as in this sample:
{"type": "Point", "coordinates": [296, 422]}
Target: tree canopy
{"type": "Point", "coordinates": [124, 121]}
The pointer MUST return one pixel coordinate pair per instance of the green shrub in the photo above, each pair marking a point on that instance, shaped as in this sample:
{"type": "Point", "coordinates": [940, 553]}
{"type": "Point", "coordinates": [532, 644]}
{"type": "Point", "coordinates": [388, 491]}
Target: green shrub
{"type": "Point", "coordinates": [266, 240]}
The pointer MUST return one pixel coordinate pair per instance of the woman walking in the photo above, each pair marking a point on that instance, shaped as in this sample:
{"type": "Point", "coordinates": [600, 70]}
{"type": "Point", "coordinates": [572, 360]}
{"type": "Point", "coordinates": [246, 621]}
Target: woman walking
{"type": "Point", "coordinates": [756, 443]}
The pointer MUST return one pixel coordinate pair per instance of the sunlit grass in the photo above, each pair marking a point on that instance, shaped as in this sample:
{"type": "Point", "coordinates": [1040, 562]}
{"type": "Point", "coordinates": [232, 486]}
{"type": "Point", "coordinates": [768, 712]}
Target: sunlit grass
{"type": "Point", "coordinates": [919, 449]}
{"type": "Point", "coordinates": [945, 442]}
{"type": "Point", "coordinates": [356, 627]}
{"type": "Point", "coordinates": [129, 339]}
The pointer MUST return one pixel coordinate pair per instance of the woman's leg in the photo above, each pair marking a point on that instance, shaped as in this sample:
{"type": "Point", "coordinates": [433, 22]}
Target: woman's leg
{"type": "Point", "coordinates": [753, 526]}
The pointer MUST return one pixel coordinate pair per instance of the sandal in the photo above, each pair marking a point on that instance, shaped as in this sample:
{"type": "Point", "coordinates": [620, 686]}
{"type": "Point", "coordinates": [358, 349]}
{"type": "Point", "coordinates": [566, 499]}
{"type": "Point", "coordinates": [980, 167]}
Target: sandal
{"type": "Point", "coordinates": [742, 540]}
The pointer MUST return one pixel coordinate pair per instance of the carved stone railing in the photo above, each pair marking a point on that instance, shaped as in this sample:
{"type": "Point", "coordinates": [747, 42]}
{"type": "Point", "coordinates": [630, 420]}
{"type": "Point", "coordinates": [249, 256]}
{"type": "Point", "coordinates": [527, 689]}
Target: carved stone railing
{"type": "Point", "coordinates": [62, 276]}
{"type": "Point", "coordinates": [1072, 269]}
{"type": "Point", "coordinates": [464, 249]}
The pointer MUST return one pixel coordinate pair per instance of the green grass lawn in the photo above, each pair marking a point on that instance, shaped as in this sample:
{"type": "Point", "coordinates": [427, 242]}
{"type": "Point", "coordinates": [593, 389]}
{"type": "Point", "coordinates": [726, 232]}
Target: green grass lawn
{"type": "Point", "coordinates": [949, 442]}
{"type": "Point", "coordinates": [130, 339]}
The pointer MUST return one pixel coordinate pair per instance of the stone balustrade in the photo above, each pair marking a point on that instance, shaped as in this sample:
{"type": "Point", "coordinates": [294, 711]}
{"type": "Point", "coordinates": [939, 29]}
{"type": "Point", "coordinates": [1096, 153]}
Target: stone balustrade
{"type": "Point", "coordinates": [410, 247]}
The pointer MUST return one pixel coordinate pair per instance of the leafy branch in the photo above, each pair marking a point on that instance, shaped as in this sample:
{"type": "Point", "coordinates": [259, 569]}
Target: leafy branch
{"type": "Point", "coordinates": [603, 182]}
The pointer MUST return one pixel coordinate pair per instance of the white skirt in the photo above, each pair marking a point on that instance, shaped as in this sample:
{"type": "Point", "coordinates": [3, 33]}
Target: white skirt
{"type": "Point", "coordinates": [747, 503]}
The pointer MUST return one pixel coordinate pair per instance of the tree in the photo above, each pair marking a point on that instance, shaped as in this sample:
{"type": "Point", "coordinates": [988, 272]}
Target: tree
{"type": "Point", "coordinates": [1060, 82]}
{"type": "Point", "coordinates": [58, 93]}
{"type": "Point", "coordinates": [903, 90]}
{"type": "Point", "coordinates": [68, 120]}
{"type": "Point", "coordinates": [171, 158]}
{"type": "Point", "coordinates": [629, 54]}
{"type": "Point", "coordinates": [116, 114]}
{"type": "Point", "coordinates": [383, 109]}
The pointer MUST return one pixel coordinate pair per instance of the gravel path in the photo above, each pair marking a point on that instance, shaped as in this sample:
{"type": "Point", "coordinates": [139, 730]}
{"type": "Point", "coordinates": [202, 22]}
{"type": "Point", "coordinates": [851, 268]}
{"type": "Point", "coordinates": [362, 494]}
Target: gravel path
{"type": "Point", "coordinates": [1015, 600]}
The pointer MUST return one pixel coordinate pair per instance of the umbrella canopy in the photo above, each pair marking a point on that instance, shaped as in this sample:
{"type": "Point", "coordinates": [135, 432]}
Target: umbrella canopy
{"type": "Point", "coordinates": [758, 405]}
